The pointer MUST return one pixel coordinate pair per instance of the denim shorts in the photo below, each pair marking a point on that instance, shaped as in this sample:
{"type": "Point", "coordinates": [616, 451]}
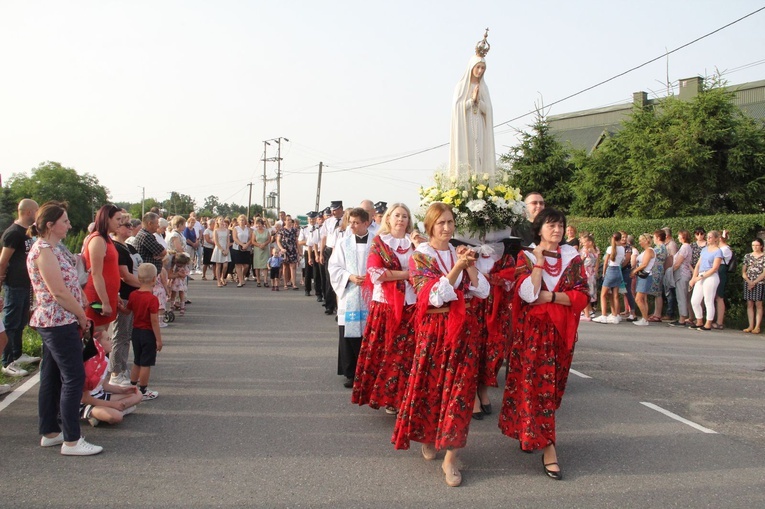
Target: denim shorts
{"type": "Point", "coordinates": [613, 278]}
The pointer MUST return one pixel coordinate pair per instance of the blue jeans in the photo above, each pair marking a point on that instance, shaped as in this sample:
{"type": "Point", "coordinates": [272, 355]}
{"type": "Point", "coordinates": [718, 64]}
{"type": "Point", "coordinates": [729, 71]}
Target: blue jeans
{"type": "Point", "coordinates": [62, 377]}
{"type": "Point", "coordinates": [628, 284]}
{"type": "Point", "coordinates": [16, 317]}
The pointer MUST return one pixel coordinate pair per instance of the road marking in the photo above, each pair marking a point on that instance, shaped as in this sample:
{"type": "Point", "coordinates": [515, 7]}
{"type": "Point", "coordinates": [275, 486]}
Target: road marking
{"type": "Point", "coordinates": [19, 391]}
{"type": "Point", "coordinates": [578, 373]}
{"type": "Point", "coordinates": [678, 418]}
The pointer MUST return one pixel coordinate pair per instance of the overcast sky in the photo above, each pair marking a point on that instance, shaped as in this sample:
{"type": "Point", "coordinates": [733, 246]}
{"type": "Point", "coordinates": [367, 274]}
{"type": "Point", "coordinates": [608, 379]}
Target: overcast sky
{"type": "Point", "coordinates": [179, 95]}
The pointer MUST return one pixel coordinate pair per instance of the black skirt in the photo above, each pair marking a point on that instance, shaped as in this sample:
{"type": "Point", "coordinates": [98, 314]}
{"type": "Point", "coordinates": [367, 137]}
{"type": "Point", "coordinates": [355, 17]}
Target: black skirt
{"type": "Point", "coordinates": [756, 294]}
{"type": "Point", "coordinates": [241, 257]}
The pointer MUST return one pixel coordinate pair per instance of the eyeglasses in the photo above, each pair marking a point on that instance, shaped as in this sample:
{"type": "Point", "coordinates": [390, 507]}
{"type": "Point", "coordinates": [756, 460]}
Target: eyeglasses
{"type": "Point", "coordinates": [536, 203]}
{"type": "Point", "coordinates": [127, 225]}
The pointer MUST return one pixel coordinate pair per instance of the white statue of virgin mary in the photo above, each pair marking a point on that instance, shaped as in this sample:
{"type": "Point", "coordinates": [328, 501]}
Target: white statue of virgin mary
{"type": "Point", "coordinates": [471, 150]}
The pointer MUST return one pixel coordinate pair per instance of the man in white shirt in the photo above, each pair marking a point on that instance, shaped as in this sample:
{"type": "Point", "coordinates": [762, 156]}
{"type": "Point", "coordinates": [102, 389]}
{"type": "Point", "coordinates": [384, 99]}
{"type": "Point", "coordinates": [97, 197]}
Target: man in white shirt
{"type": "Point", "coordinates": [306, 240]}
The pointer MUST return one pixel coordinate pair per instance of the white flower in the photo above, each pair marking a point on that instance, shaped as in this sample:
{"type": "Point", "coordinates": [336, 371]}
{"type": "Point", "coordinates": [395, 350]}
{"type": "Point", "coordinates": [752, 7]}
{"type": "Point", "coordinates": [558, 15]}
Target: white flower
{"type": "Point", "coordinates": [476, 205]}
{"type": "Point", "coordinates": [500, 202]}
{"type": "Point", "coordinates": [453, 179]}
{"type": "Point", "coordinates": [479, 194]}
{"type": "Point", "coordinates": [486, 176]}
{"type": "Point", "coordinates": [465, 194]}
{"type": "Point", "coordinates": [518, 208]}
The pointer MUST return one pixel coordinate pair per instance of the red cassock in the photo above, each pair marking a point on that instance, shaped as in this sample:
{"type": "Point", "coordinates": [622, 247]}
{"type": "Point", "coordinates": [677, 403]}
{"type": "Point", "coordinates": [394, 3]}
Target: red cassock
{"type": "Point", "coordinates": [387, 346]}
{"type": "Point", "coordinates": [438, 403]}
{"type": "Point", "coordinates": [540, 356]}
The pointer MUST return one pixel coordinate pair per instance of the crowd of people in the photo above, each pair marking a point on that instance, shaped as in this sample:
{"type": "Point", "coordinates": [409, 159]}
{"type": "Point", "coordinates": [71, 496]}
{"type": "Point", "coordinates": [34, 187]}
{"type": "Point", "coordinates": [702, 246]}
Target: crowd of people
{"type": "Point", "coordinates": [424, 322]}
{"type": "Point", "coordinates": [686, 278]}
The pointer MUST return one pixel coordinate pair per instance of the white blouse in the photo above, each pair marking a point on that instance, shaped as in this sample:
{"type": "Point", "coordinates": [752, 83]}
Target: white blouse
{"type": "Point", "coordinates": [403, 258]}
{"type": "Point", "coordinates": [567, 254]}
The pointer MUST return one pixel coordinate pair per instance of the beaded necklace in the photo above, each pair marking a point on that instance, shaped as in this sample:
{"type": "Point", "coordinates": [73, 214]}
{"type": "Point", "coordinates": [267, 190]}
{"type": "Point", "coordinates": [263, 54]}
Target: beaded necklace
{"type": "Point", "coordinates": [554, 269]}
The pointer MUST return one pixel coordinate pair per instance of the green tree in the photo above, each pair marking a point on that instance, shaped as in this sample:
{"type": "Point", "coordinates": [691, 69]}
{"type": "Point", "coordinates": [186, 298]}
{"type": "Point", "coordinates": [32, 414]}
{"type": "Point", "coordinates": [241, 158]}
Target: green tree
{"type": "Point", "coordinates": [676, 158]}
{"type": "Point", "coordinates": [179, 204]}
{"type": "Point", "coordinates": [52, 181]}
{"type": "Point", "coordinates": [541, 163]}
{"type": "Point", "coordinates": [8, 207]}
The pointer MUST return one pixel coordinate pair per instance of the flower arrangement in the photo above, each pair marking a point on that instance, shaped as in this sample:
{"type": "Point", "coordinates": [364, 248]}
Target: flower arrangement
{"type": "Point", "coordinates": [481, 204]}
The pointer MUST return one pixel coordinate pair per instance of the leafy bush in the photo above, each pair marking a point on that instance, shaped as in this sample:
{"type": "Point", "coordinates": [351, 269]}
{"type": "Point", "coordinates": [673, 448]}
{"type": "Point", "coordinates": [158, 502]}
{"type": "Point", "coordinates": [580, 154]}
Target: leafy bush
{"type": "Point", "coordinates": [31, 342]}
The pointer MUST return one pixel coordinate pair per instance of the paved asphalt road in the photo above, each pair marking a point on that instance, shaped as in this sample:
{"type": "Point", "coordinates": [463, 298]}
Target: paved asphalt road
{"type": "Point", "coordinates": [251, 414]}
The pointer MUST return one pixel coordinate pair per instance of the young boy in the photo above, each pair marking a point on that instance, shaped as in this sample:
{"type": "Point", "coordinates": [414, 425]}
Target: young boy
{"type": "Point", "coordinates": [275, 262]}
{"type": "Point", "coordinates": [146, 339]}
{"type": "Point", "coordinates": [108, 403]}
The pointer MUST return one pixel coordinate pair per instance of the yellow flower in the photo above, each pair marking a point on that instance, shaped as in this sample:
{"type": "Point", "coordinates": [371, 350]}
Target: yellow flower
{"type": "Point", "coordinates": [458, 202]}
{"type": "Point", "coordinates": [447, 200]}
{"type": "Point", "coordinates": [481, 187]}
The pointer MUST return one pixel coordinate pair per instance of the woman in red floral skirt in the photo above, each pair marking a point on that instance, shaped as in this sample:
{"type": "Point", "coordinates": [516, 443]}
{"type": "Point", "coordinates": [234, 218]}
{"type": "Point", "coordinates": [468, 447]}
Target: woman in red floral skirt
{"type": "Point", "coordinates": [439, 396]}
{"type": "Point", "coordinates": [550, 292]}
{"type": "Point", "coordinates": [387, 346]}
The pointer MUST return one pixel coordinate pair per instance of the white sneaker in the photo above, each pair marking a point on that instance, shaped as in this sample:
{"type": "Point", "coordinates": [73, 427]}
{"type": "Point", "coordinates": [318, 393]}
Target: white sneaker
{"type": "Point", "coordinates": [149, 395]}
{"type": "Point", "coordinates": [28, 359]}
{"type": "Point", "coordinates": [120, 380]}
{"type": "Point", "coordinates": [641, 323]}
{"type": "Point", "coordinates": [129, 410]}
{"type": "Point", "coordinates": [600, 319]}
{"type": "Point", "coordinates": [50, 442]}
{"type": "Point", "coordinates": [5, 388]}
{"type": "Point", "coordinates": [13, 370]}
{"type": "Point", "coordinates": [613, 319]}
{"type": "Point", "coordinates": [82, 448]}
{"type": "Point", "coordinates": [162, 324]}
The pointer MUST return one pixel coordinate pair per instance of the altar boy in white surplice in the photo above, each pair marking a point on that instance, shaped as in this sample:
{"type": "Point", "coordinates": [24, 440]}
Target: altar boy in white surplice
{"type": "Point", "coordinates": [347, 272]}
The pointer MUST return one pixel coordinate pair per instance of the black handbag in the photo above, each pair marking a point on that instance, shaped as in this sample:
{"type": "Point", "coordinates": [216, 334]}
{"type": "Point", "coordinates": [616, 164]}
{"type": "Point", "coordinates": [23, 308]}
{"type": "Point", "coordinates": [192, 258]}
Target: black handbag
{"type": "Point", "coordinates": [643, 274]}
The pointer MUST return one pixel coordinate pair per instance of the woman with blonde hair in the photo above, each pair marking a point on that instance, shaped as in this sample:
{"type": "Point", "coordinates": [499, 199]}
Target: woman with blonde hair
{"type": "Point", "coordinates": [387, 346]}
{"type": "Point", "coordinates": [643, 272]}
{"type": "Point", "coordinates": [221, 252]}
{"type": "Point", "coordinates": [705, 280]}
{"type": "Point", "coordinates": [241, 249]}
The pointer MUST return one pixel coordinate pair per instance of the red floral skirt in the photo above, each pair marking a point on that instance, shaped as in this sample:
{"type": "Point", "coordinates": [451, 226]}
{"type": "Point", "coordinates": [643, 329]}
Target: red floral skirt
{"type": "Point", "coordinates": [438, 402]}
{"type": "Point", "coordinates": [385, 360]}
{"type": "Point", "coordinates": [490, 351]}
{"type": "Point", "coordinates": [538, 371]}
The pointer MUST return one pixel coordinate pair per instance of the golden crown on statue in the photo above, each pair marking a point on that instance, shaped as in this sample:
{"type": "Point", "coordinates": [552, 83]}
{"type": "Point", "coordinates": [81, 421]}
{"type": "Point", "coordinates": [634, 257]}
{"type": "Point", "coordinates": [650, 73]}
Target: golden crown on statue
{"type": "Point", "coordinates": [483, 46]}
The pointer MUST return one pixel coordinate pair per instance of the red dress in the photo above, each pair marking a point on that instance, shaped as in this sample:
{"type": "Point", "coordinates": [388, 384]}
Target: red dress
{"type": "Point", "coordinates": [387, 346]}
{"type": "Point", "coordinates": [438, 403]}
{"type": "Point", "coordinates": [111, 273]}
{"type": "Point", "coordinates": [493, 313]}
{"type": "Point", "coordinates": [540, 356]}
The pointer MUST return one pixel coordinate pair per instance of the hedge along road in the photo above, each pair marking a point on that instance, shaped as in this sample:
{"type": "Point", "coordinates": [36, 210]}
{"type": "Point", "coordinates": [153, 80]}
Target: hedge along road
{"type": "Point", "coordinates": [251, 413]}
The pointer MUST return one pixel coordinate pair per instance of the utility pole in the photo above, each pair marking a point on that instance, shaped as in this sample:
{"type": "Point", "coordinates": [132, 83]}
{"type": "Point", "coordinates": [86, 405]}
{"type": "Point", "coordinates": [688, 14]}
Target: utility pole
{"type": "Point", "coordinates": [279, 173]}
{"type": "Point", "coordinates": [249, 202]}
{"type": "Point", "coordinates": [265, 176]}
{"type": "Point", "coordinates": [318, 187]}
{"type": "Point", "coordinates": [143, 201]}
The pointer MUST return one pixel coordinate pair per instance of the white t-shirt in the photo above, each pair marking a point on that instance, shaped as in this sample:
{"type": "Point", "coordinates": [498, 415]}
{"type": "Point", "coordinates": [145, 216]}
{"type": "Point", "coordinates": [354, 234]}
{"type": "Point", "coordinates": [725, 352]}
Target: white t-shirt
{"type": "Point", "coordinates": [617, 261]}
